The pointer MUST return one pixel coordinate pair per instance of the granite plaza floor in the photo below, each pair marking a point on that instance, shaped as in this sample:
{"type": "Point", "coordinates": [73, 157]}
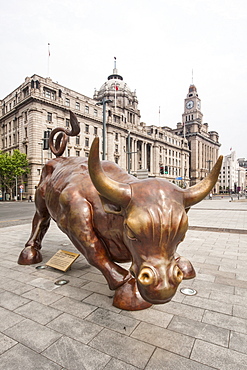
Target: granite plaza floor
{"type": "Point", "coordinates": [75, 326]}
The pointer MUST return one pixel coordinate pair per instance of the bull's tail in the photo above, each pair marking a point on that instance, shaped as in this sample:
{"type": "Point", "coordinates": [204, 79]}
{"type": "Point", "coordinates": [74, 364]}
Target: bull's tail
{"type": "Point", "coordinates": [61, 139]}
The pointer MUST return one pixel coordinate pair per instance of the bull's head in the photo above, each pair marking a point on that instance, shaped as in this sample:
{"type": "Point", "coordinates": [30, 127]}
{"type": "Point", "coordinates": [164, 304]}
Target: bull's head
{"type": "Point", "coordinates": [155, 221]}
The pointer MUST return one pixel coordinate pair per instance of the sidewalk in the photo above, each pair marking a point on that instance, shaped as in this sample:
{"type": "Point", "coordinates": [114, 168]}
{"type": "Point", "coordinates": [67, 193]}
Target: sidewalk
{"type": "Point", "coordinates": [75, 326]}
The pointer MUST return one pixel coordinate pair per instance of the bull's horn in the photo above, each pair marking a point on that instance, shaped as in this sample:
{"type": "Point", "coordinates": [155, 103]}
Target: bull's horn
{"type": "Point", "coordinates": [199, 191]}
{"type": "Point", "coordinates": [116, 192]}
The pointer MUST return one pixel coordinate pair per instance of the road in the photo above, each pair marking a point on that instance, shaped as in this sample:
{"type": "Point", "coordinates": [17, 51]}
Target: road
{"type": "Point", "coordinates": [16, 213]}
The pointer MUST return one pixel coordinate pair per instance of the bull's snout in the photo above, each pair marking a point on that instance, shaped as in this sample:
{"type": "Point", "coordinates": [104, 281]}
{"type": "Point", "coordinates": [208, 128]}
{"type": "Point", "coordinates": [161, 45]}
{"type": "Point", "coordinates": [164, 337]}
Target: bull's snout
{"type": "Point", "coordinates": [158, 285]}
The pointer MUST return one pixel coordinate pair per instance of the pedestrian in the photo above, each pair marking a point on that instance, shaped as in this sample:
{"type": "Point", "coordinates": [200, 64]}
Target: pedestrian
{"type": "Point", "coordinates": [30, 198]}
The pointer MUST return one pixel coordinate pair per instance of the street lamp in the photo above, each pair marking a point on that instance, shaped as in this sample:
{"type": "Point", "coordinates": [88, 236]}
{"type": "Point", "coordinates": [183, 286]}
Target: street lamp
{"type": "Point", "coordinates": [103, 102]}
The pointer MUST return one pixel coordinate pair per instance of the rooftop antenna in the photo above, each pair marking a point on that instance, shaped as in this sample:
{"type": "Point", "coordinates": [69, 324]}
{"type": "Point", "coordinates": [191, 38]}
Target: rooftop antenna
{"type": "Point", "coordinates": [115, 63]}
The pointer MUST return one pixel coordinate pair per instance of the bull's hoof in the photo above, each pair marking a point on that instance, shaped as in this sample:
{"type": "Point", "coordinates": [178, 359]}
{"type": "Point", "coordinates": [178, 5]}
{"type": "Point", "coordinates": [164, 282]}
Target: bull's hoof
{"type": "Point", "coordinates": [186, 267]}
{"type": "Point", "coordinates": [127, 297]}
{"type": "Point", "coordinates": [29, 256]}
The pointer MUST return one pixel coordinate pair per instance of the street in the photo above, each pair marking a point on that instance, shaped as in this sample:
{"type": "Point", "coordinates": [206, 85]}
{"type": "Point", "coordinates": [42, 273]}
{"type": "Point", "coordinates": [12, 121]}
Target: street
{"type": "Point", "coordinates": [16, 213]}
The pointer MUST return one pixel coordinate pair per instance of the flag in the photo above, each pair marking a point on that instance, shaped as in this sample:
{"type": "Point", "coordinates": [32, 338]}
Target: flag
{"type": "Point", "coordinates": [116, 87]}
{"type": "Point", "coordinates": [230, 148]}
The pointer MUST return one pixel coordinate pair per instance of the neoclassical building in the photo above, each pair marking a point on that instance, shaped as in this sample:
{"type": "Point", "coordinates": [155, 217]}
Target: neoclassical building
{"type": "Point", "coordinates": [39, 104]}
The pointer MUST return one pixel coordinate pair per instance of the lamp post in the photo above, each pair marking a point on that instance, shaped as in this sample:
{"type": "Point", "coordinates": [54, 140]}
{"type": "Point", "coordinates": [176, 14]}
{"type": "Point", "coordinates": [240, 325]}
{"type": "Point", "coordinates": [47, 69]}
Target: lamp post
{"type": "Point", "coordinates": [103, 102]}
{"type": "Point", "coordinates": [42, 161]}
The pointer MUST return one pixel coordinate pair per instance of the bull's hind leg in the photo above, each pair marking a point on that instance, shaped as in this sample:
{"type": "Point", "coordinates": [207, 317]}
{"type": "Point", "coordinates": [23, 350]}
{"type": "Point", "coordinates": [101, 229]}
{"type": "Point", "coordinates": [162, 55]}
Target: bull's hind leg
{"type": "Point", "coordinates": [31, 253]}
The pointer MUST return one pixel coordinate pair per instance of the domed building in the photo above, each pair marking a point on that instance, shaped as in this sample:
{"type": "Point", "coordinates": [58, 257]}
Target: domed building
{"type": "Point", "coordinates": [124, 105]}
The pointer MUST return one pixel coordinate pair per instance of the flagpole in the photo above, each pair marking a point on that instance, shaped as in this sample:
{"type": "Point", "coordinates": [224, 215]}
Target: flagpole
{"type": "Point", "coordinates": [48, 62]}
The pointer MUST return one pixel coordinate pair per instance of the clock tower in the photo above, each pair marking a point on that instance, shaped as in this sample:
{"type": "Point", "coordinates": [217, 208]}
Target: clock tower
{"type": "Point", "coordinates": [192, 107]}
{"type": "Point", "coordinates": [203, 144]}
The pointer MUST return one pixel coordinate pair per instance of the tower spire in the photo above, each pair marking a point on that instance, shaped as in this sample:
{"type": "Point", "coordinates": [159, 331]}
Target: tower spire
{"type": "Point", "coordinates": [192, 77]}
{"type": "Point", "coordinates": [115, 66]}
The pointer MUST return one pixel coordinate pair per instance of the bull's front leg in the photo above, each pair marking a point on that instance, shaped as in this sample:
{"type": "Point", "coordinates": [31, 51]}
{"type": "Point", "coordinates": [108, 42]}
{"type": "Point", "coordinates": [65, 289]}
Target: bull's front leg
{"type": "Point", "coordinates": [31, 253]}
{"type": "Point", "coordinates": [76, 221]}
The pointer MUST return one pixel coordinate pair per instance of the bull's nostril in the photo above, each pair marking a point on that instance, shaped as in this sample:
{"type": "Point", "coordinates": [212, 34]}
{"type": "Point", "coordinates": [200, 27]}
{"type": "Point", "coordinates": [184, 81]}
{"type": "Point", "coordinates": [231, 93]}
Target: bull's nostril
{"type": "Point", "coordinates": [178, 275]}
{"type": "Point", "coordinates": [146, 276]}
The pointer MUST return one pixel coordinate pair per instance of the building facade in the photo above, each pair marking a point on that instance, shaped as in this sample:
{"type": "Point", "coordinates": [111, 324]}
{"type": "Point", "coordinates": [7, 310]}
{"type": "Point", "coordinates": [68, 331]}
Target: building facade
{"type": "Point", "coordinates": [203, 144]}
{"type": "Point", "coordinates": [38, 105]}
{"type": "Point", "coordinates": [232, 178]}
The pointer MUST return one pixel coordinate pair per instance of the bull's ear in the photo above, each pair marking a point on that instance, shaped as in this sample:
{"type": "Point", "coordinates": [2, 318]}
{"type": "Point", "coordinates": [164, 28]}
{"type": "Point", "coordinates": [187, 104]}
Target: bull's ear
{"type": "Point", "coordinates": [110, 207]}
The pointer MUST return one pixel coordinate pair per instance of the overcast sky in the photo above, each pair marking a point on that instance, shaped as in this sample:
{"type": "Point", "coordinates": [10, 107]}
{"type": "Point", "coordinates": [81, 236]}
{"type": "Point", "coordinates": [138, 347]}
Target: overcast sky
{"type": "Point", "coordinates": [157, 45]}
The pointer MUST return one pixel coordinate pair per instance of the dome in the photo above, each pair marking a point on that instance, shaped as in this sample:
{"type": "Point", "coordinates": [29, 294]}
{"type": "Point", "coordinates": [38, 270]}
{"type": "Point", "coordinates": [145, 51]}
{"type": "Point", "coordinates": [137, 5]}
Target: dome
{"type": "Point", "coordinates": [114, 83]}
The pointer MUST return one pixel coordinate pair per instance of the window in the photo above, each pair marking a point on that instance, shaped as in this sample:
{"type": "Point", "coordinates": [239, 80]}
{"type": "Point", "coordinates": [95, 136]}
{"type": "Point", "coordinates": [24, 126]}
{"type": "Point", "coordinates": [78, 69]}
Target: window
{"type": "Point", "coordinates": [77, 140]}
{"type": "Point", "coordinates": [86, 109]}
{"type": "Point", "coordinates": [116, 136]}
{"type": "Point", "coordinates": [49, 117]}
{"type": "Point", "coordinates": [86, 142]}
{"type": "Point", "coordinates": [95, 113]}
{"type": "Point", "coordinates": [87, 129]}
{"type": "Point", "coordinates": [95, 131]}
{"type": "Point", "coordinates": [49, 94]}
{"type": "Point", "coordinates": [116, 148]}
{"type": "Point", "coordinates": [77, 105]}
{"type": "Point", "coordinates": [67, 122]}
{"type": "Point", "coordinates": [77, 153]}
{"type": "Point", "coordinates": [68, 152]}
{"type": "Point", "coordinates": [67, 102]}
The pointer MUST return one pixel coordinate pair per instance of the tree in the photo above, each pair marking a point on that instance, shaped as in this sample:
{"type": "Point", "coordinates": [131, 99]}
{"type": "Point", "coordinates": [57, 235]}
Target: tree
{"type": "Point", "coordinates": [11, 167]}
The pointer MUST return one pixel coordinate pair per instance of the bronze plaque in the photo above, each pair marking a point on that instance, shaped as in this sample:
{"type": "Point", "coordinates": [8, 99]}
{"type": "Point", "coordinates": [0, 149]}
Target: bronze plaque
{"type": "Point", "coordinates": [62, 260]}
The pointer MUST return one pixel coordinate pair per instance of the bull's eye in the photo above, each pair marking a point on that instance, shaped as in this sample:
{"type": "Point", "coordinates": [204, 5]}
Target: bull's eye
{"type": "Point", "coordinates": [130, 234]}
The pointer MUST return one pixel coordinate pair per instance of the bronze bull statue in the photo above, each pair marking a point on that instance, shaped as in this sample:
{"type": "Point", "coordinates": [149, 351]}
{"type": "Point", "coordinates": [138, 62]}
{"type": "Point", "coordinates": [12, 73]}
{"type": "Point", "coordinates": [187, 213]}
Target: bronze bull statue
{"type": "Point", "coordinates": [112, 217]}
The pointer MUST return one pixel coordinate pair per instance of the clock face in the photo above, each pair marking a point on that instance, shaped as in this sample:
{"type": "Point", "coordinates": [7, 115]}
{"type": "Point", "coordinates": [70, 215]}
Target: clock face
{"type": "Point", "coordinates": [190, 104]}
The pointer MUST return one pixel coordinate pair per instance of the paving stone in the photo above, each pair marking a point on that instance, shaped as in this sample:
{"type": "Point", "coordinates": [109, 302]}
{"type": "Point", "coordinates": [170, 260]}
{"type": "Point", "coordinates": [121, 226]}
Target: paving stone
{"type": "Point", "coordinates": [73, 307]}
{"type": "Point", "coordinates": [151, 316]}
{"type": "Point", "coordinates": [238, 342]}
{"type": "Point", "coordinates": [119, 365]}
{"type": "Point", "coordinates": [209, 286]}
{"type": "Point", "coordinates": [38, 312]}
{"type": "Point", "coordinates": [6, 343]}
{"type": "Point", "coordinates": [196, 329]}
{"type": "Point", "coordinates": [74, 355]}
{"type": "Point", "coordinates": [226, 321]}
{"type": "Point", "coordinates": [20, 357]}
{"type": "Point", "coordinates": [11, 301]}
{"type": "Point", "coordinates": [99, 278]}
{"type": "Point", "coordinates": [241, 292]}
{"type": "Point", "coordinates": [114, 321]}
{"type": "Point", "coordinates": [229, 298]}
{"type": "Point", "coordinates": [231, 282]}
{"type": "Point", "coordinates": [163, 338]}
{"type": "Point", "coordinates": [75, 328]}
{"type": "Point", "coordinates": [96, 287]}
{"type": "Point", "coordinates": [209, 304]}
{"type": "Point", "coordinates": [239, 311]}
{"type": "Point", "coordinates": [174, 308]}
{"type": "Point", "coordinates": [72, 292]}
{"type": "Point", "coordinates": [218, 357]}
{"type": "Point", "coordinates": [162, 359]}
{"type": "Point", "coordinates": [43, 283]}
{"type": "Point", "coordinates": [101, 300]}
{"type": "Point", "coordinates": [8, 319]}
{"type": "Point", "coordinates": [32, 335]}
{"type": "Point", "coordinates": [122, 347]}
{"type": "Point", "coordinates": [42, 296]}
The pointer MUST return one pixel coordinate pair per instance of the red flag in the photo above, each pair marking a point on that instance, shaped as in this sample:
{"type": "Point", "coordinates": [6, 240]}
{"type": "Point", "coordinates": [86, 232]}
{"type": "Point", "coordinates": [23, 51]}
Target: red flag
{"type": "Point", "coordinates": [116, 87]}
